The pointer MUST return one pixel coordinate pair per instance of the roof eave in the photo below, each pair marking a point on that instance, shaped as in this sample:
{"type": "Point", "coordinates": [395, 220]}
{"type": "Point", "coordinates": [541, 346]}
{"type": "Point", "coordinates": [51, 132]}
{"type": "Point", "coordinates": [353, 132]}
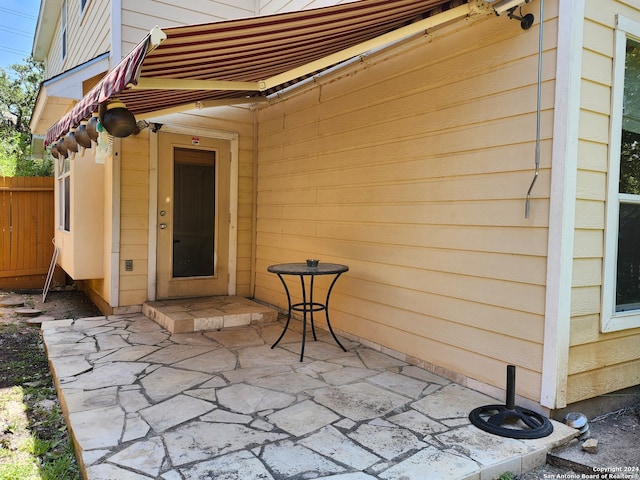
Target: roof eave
{"type": "Point", "coordinates": [45, 28]}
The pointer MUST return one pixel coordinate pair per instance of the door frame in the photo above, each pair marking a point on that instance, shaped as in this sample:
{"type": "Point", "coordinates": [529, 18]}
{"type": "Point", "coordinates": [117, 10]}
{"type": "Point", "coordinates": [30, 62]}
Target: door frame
{"type": "Point", "coordinates": [232, 137]}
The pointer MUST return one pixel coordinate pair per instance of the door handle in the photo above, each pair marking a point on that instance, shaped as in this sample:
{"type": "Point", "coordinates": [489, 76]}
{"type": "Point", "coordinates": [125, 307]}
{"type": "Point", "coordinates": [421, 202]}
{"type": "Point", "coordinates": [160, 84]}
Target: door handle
{"type": "Point", "coordinates": [163, 226]}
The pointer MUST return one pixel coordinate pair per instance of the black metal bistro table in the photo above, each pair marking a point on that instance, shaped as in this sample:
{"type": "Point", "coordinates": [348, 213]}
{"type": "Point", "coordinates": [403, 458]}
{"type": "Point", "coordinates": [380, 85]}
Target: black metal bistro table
{"type": "Point", "coordinates": [308, 305]}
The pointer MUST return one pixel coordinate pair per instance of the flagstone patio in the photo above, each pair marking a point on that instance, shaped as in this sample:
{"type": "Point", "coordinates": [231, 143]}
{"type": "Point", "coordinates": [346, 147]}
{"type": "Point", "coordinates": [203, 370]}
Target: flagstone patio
{"type": "Point", "coordinates": [144, 403]}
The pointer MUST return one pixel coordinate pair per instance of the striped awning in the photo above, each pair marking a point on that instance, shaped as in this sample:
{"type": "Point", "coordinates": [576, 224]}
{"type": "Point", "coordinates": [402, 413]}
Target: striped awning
{"type": "Point", "coordinates": [242, 61]}
{"type": "Point", "coordinates": [117, 80]}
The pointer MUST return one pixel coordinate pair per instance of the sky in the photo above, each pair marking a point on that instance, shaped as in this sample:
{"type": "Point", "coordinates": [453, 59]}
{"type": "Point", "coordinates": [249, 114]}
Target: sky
{"type": "Point", "coordinates": [17, 25]}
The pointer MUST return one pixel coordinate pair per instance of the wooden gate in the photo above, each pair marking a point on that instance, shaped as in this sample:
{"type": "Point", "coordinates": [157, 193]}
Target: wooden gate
{"type": "Point", "coordinates": [26, 231]}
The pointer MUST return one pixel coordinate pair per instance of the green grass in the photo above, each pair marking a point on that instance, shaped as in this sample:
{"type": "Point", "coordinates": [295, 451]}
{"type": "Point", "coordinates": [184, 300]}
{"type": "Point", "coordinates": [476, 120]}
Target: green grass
{"type": "Point", "coordinates": [16, 446]}
{"type": "Point", "coordinates": [19, 468]}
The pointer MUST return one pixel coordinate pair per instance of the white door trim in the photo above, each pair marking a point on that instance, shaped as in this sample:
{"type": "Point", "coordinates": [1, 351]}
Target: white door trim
{"type": "Point", "coordinates": [232, 137]}
{"type": "Point", "coordinates": [152, 242]}
{"type": "Point", "coordinates": [116, 224]}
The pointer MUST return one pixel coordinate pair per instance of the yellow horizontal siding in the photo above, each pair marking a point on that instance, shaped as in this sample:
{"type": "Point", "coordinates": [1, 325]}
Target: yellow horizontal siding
{"type": "Point", "coordinates": [591, 185]}
{"type": "Point", "coordinates": [134, 237]}
{"type": "Point", "coordinates": [585, 330]}
{"type": "Point", "coordinates": [598, 363]}
{"type": "Point", "coordinates": [487, 369]}
{"type": "Point", "coordinates": [412, 169]}
{"type": "Point", "coordinates": [130, 282]}
{"type": "Point", "coordinates": [593, 97]}
{"type": "Point", "coordinates": [592, 155]}
{"type": "Point", "coordinates": [590, 214]}
{"type": "Point", "coordinates": [618, 350]}
{"type": "Point", "coordinates": [587, 272]}
{"type": "Point", "coordinates": [603, 380]}
{"type": "Point", "coordinates": [138, 252]}
{"type": "Point", "coordinates": [132, 297]}
{"type": "Point", "coordinates": [596, 67]}
{"type": "Point", "coordinates": [134, 218]}
{"type": "Point", "coordinates": [588, 244]}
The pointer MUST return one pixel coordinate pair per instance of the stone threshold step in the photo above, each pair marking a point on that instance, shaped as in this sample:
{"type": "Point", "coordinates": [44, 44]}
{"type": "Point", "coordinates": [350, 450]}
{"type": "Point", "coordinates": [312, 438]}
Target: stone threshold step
{"type": "Point", "coordinates": [187, 315]}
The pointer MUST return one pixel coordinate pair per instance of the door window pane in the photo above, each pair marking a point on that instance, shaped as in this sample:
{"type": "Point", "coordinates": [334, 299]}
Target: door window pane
{"type": "Point", "coordinates": [193, 213]}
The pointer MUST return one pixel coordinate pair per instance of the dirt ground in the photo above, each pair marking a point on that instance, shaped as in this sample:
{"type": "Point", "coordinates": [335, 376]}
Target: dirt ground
{"type": "Point", "coordinates": [67, 303]}
{"type": "Point", "coordinates": [618, 433]}
{"type": "Point", "coordinates": [58, 305]}
{"type": "Point", "coordinates": [618, 447]}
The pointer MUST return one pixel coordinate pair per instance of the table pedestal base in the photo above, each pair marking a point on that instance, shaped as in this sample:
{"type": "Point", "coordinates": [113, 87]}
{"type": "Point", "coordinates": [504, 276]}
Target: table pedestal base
{"type": "Point", "coordinates": [307, 307]}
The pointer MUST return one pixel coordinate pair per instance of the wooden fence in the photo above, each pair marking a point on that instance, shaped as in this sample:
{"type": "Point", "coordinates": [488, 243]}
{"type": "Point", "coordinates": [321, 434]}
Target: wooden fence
{"type": "Point", "coordinates": [26, 231]}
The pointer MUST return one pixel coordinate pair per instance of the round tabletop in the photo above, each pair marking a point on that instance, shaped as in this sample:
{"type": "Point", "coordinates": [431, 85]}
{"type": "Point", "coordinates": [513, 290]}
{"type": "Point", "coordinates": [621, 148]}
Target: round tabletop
{"type": "Point", "coordinates": [303, 269]}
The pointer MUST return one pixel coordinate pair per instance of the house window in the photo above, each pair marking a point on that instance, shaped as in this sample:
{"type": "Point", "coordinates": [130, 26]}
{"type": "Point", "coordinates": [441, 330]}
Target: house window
{"type": "Point", "coordinates": [63, 23]}
{"type": "Point", "coordinates": [64, 194]}
{"type": "Point", "coordinates": [621, 291]}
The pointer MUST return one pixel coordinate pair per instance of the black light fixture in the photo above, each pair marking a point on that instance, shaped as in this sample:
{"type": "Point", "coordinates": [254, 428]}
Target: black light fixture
{"type": "Point", "coordinates": [509, 7]}
{"type": "Point", "coordinates": [82, 136]}
{"type": "Point", "coordinates": [92, 127]}
{"type": "Point", "coordinates": [525, 21]}
{"type": "Point", "coordinates": [70, 141]}
{"type": "Point", "coordinates": [117, 120]}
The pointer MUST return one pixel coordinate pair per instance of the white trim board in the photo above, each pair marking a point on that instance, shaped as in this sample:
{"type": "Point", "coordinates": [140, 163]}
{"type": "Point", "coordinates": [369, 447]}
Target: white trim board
{"type": "Point", "coordinates": [116, 220]}
{"type": "Point", "coordinates": [555, 358]}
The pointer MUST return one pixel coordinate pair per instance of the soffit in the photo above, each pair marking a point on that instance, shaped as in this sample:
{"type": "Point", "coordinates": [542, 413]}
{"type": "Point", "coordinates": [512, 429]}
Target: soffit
{"type": "Point", "coordinates": [59, 94]}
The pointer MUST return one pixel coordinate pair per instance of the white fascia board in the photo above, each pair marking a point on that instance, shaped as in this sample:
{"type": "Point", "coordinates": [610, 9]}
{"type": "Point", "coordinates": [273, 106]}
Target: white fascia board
{"type": "Point", "coordinates": [58, 94]}
{"type": "Point", "coordinates": [69, 83]}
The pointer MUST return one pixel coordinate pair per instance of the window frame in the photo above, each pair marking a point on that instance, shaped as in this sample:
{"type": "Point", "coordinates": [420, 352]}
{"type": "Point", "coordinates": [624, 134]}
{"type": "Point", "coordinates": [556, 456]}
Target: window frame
{"type": "Point", "coordinates": [83, 6]}
{"type": "Point", "coordinates": [63, 26]}
{"type": "Point", "coordinates": [611, 320]}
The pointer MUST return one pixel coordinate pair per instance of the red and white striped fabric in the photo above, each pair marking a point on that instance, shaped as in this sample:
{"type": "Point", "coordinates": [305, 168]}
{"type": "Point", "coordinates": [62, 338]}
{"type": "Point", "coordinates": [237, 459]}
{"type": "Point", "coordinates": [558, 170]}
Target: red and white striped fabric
{"type": "Point", "coordinates": [245, 50]}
